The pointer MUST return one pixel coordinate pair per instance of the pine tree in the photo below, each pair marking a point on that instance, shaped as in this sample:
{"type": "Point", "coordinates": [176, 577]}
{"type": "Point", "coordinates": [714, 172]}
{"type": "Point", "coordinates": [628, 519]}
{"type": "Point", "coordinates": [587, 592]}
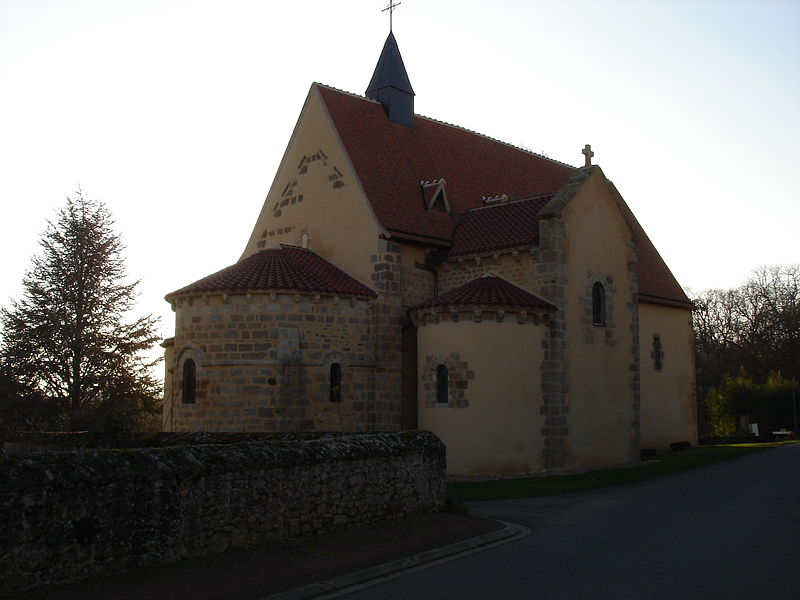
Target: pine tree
{"type": "Point", "coordinates": [68, 337]}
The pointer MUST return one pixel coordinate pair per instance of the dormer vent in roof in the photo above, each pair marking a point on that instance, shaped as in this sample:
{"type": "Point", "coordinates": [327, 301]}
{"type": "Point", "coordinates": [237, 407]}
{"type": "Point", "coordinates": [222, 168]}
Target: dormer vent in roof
{"type": "Point", "coordinates": [390, 85]}
{"type": "Point", "coordinates": [434, 195]}
{"type": "Point", "coordinates": [494, 199]}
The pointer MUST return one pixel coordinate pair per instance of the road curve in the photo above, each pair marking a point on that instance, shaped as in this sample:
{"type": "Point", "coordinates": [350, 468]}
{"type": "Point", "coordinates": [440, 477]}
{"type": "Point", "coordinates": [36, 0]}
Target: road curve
{"type": "Point", "coordinates": [729, 530]}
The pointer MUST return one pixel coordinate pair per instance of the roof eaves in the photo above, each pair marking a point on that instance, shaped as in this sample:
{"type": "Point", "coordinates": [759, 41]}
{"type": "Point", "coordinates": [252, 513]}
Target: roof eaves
{"type": "Point", "coordinates": [649, 299]}
{"type": "Point", "coordinates": [172, 296]}
{"type": "Point", "coordinates": [509, 249]}
{"type": "Point", "coordinates": [438, 242]}
{"type": "Point", "coordinates": [474, 306]}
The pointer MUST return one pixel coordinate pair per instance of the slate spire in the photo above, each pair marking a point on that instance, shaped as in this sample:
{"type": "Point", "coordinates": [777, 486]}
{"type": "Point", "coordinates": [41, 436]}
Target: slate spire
{"type": "Point", "coordinates": [390, 85]}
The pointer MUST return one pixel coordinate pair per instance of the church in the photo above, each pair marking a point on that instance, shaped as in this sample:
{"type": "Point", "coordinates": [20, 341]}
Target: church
{"type": "Point", "coordinates": [406, 273]}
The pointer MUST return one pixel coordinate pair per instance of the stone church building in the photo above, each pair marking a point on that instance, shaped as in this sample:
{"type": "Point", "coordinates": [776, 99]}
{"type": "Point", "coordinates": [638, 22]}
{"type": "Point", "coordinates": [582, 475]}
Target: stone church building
{"type": "Point", "coordinates": [408, 273]}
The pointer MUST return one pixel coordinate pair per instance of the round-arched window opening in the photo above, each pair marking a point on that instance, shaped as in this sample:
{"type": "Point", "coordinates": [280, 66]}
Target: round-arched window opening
{"type": "Point", "coordinates": [189, 382]}
{"type": "Point", "coordinates": [598, 305]}
{"type": "Point", "coordinates": [336, 383]}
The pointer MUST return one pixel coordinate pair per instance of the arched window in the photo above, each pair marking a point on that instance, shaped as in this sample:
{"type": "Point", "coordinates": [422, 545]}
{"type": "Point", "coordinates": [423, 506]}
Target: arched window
{"type": "Point", "coordinates": [336, 382]}
{"type": "Point", "coordinates": [598, 305]}
{"type": "Point", "coordinates": [442, 395]}
{"type": "Point", "coordinates": [189, 383]}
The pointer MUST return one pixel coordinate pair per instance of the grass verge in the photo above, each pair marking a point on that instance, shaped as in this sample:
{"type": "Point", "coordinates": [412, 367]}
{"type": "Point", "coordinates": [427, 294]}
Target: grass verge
{"type": "Point", "coordinates": [580, 482]}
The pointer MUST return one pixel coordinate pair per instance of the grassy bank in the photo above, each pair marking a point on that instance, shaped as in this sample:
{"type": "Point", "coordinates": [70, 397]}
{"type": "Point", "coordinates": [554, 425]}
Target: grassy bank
{"type": "Point", "coordinates": [579, 482]}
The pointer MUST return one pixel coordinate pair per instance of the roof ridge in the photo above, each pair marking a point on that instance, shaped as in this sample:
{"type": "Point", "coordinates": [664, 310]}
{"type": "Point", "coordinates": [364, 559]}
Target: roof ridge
{"type": "Point", "coordinates": [492, 139]}
{"type": "Point", "coordinates": [487, 289]}
{"type": "Point", "coordinates": [353, 94]}
{"type": "Point", "coordinates": [279, 269]}
{"type": "Point", "coordinates": [508, 202]}
{"type": "Point", "coordinates": [454, 126]}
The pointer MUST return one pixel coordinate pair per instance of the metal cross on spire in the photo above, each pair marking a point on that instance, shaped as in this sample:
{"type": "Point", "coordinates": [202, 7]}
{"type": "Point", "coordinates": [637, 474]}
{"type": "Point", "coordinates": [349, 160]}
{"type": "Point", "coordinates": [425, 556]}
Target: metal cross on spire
{"type": "Point", "coordinates": [390, 8]}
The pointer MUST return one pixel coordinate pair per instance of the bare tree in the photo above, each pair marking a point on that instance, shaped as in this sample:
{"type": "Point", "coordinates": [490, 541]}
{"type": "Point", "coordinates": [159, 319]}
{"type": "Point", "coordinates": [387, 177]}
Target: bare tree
{"type": "Point", "coordinates": [748, 339]}
{"type": "Point", "coordinates": [68, 337]}
{"type": "Point", "coordinates": [770, 317]}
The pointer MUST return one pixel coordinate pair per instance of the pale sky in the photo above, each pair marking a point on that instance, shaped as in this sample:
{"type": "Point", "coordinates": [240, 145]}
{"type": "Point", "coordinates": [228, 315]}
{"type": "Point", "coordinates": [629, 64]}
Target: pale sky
{"type": "Point", "coordinates": [176, 113]}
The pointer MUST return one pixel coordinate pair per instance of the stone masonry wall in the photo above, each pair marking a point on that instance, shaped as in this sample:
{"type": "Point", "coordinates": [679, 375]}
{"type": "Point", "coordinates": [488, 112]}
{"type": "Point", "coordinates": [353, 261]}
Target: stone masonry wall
{"type": "Point", "coordinates": [515, 266]}
{"type": "Point", "coordinates": [263, 363]}
{"type": "Point", "coordinates": [77, 514]}
{"type": "Point", "coordinates": [387, 335]}
{"type": "Point", "coordinates": [417, 277]}
{"type": "Point", "coordinates": [552, 281]}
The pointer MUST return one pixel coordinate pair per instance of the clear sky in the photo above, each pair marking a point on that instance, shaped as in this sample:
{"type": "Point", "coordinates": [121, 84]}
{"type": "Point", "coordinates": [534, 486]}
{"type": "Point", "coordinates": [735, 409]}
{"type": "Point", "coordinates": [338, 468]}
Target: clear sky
{"type": "Point", "coordinates": [175, 113]}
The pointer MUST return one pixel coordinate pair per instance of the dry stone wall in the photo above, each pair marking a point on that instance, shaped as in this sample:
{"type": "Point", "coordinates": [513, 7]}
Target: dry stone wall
{"type": "Point", "coordinates": [76, 514]}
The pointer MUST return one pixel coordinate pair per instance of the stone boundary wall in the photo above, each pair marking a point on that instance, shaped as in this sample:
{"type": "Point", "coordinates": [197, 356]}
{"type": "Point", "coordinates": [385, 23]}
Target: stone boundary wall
{"type": "Point", "coordinates": [76, 514]}
{"type": "Point", "coordinates": [17, 443]}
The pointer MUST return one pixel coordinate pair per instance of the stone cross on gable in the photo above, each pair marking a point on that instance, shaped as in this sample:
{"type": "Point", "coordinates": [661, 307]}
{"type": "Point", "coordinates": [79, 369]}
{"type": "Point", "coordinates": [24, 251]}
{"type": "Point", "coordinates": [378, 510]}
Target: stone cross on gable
{"type": "Point", "coordinates": [587, 152]}
{"type": "Point", "coordinates": [391, 8]}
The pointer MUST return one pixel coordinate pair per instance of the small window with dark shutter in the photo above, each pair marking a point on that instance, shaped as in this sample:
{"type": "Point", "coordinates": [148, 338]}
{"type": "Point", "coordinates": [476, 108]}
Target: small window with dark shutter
{"type": "Point", "coordinates": [658, 353]}
{"type": "Point", "coordinates": [442, 393]}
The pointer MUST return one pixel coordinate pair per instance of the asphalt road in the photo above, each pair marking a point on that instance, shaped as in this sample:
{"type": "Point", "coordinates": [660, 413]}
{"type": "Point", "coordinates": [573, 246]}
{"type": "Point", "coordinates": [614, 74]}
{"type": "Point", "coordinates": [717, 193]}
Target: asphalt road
{"type": "Point", "coordinates": [727, 531]}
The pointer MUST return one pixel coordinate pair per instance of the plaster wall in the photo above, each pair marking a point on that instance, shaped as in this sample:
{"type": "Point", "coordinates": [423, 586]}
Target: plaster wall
{"type": "Point", "coordinates": [668, 395]}
{"type": "Point", "coordinates": [602, 398]}
{"type": "Point", "coordinates": [491, 425]}
{"type": "Point", "coordinates": [316, 197]}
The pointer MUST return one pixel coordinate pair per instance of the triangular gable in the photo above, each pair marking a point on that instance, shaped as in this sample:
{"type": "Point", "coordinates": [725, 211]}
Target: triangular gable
{"type": "Point", "coordinates": [656, 282]}
{"type": "Point", "coordinates": [314, 151]}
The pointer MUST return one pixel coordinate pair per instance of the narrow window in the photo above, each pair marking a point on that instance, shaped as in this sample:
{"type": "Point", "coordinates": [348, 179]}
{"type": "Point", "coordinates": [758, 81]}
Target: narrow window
{"type": "Point", "coordinates": [189, 384]}
{"type": "Point", "coordinates": [441, 384]}
{"type": "Point", "coordinates": [598, 305]}
{"type": "Point", "coordinates": [336, 382]}
{"type": "Point", "coordinates": [658, 352]}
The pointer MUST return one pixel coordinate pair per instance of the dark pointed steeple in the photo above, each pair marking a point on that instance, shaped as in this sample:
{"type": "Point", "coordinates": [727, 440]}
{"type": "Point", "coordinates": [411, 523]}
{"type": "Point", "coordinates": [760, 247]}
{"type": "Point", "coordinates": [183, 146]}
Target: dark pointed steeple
{"type": "Point", "coordinates": [390, 85]}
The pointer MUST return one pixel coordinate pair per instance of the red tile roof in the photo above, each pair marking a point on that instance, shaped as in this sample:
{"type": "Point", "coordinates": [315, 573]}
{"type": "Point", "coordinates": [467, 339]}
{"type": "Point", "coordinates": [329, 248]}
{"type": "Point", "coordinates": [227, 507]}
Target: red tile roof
{"type": "Point", "coordinates": [391, 160]}
{"type": "Point", "coordinates": [488, 290]}
{"type": "Point", "coordinates": [288, 268]}
{"type": "Point", "coordinates": [498, 226]}
{"type": "Point", "coordinates": [656, 282]}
